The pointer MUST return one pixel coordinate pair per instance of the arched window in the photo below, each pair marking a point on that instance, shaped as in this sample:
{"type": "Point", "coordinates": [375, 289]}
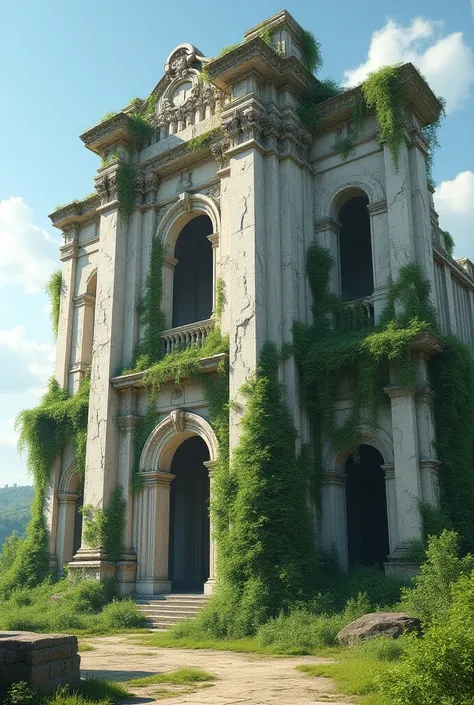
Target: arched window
{"type": "Point", "coordinates": [192, 284]}
{"type": "Point", "coordinates": [89, 320]}
{"type": "Point", "coordinates": [355, 250]}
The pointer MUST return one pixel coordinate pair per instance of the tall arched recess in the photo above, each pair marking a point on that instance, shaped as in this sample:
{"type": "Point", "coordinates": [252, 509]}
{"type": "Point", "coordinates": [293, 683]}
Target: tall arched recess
{"type": "Point", "coordinates": [193, 274]}
{"type": "Point", "coordinates": [355, 249]}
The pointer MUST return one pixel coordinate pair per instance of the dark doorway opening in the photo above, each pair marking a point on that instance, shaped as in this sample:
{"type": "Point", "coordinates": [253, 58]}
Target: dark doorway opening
{"type": "Point", "coordinates": [189, 517]}
{"type": "Point", "coordinates": [355, 248]}
{"type": "Point", "coordinates": [366, 507]}
{"type": "Point", "coordinates": [192, 284]}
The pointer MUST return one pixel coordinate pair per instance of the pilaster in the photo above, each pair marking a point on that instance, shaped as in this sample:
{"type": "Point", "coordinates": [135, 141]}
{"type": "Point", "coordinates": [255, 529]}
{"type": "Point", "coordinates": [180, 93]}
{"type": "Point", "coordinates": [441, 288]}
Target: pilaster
{"type": "Point", "coordinates": [399, 210]}
{"type": "Point", "coordinates": [65, 530]}
{"type": "Point", "coordinates": [327, 235]}
{"type": "Point", "coordinates": [152, 533]}
{"type": "Point", "coordinates": [407, 469]}
{"type": "Point", "coordinates": [333, 516]}
{"type": "Point", "coordinates": [211, 581]}
{"type": "Point", "coordinates": [102, 437]}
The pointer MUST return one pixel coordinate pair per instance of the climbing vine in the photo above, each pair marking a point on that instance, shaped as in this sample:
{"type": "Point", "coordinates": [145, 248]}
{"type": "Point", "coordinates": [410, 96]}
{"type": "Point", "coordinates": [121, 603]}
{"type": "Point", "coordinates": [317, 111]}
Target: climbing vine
{"type": "Point", "coordinates": [44, 432]}
{"type": "Point", "coordinates": [343, 347]}
{"type": "Point", "coordinates": [260, 514]}
{"type": "Point", "coordinates": [103, 527]}
{"type": "Point", "coordinates": [54, 290]}
{"type": "Point", "coordinates": [311, 55]}
{"type": "Point", "coordinates": [126, 188]}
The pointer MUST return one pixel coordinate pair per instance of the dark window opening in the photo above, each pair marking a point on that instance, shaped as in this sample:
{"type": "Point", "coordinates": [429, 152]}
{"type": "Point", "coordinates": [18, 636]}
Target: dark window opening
{"type": "Point", "coordinates": [192, 287]}
{"type": "Point", "coordinates": [366, 507]}
{"type": "Point", "coordinates": [189, 517]}
{"type": "Point", "coordinates": [357, 278]}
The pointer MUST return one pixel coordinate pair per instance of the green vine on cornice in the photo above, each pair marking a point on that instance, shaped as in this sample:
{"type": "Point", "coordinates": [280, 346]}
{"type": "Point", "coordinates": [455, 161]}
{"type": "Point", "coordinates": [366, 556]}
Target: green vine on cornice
{"type": "Point", "coordinates": [311, 55]}
{"type": "Point", "coordinates": [126, 184]}
{"type": "Point", "coordinates": [54, 287]}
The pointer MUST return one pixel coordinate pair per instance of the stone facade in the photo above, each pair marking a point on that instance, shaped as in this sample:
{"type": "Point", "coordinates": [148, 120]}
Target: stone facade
{"type": "Point", "coordinates": [265, 189]}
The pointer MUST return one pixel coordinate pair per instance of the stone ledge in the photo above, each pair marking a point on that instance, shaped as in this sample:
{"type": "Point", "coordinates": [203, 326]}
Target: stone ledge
{"type": "Point", "coordinates": [135, 379]}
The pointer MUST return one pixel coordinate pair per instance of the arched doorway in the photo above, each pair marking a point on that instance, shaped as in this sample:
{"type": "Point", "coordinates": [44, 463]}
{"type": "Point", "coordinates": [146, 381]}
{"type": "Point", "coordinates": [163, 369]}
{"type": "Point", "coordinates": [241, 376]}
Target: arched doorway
{"type": "Point", "coordinates": [366, 509]}
{"type": "Point", "coordinates": [193, 275]}
{"type": "Point", "coordinates": [189, 517]}
{"type": "Point", "coordinates": [355, 249]}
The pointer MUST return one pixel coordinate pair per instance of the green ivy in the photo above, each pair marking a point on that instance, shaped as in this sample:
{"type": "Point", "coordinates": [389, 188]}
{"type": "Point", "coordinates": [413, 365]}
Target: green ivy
{"type": "Point", "coordinates": [323, 90]}
{"type": "Point", "coordinates": [139, 129]}
{"type": "Point", "coordinates": [311, 55]}
{"type": "Point", "coordinates": [201, 141]}
{"type": "Point", "coordinates": [343, 343]}
{"type": "Point", "coordinates": [103, 528]}
{"type": "Point", "coordinates": [54, 289]}
{"type": "Point", "coordinates": [265, 548]}
{"type": "Point", "coordinates": [44, 432]}
{"type": "Point", "coordinates": [126, 188]}
{"type": "Point", "coordinates": [448, 242]}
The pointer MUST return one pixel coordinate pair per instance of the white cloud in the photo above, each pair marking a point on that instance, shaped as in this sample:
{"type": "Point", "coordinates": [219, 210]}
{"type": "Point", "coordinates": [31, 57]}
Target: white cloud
{"type": "Point", "coordinates": [446, 62]}
{"type": "Point", "coordinates": [8, 435]}
{"type": "Point", "coordinates": [24, 363]}
{"type": "Point", "coordinates": [454, 201]}
{"type": "Point", "coordinates": [28, 254]}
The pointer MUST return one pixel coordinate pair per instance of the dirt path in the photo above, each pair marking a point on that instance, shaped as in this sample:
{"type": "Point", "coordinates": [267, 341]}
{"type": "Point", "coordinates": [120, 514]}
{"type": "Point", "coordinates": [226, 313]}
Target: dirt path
{"type": "Point", "coordinates": [246, 679]}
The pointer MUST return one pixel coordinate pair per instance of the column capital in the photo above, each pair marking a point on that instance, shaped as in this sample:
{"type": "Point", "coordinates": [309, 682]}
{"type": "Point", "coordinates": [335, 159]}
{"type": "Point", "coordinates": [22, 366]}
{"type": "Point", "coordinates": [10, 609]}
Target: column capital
{"type": "Point", "coordinates": [431, 463]}
{"type": "Point", "coordinates": [214, 239]}
{"type": "Point", "coordinates": [84, 300]}
{"type": "Point", "coordinates": [334, 478]}
{"type": "Point", "coordinates": [157, 478]}
{"type": "Point", "coordinates": [327, 224]}
{"type": "Point", "coordinates": [389, 470]}
{"type": "Point", "coordinates": [395, 391]}
{"type": "Point", "coordinates": [67, 498]}
{"type": "Point", "coordinates": [169, 261]}
{"type": "Point", "coordinates": [128, 422]}
{"type": "Point", "coordinates": [210, 465]}
{"type": "Point", "coordinates": [377, 207]}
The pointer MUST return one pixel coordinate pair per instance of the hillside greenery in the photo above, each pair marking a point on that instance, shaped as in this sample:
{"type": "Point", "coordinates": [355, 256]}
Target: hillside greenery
{"type": "Point", "coordinates": [15, 510]}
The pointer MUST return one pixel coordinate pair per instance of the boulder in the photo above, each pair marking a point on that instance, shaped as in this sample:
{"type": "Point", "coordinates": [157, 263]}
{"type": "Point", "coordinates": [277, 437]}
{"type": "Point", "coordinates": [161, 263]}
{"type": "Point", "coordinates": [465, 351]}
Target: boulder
{"type": "Point", "coordinates": [392, 624]}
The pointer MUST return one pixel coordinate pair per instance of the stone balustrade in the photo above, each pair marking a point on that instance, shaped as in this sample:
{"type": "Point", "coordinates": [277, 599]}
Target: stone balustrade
{"type": "Point", "coordinates": [187, 336]}
{"type": "Point", "coordinates": [367, 304]}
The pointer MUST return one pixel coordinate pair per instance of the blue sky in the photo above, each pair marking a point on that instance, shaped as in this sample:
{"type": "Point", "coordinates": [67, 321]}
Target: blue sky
{"type": "Point", "coordinates": [65, 64]}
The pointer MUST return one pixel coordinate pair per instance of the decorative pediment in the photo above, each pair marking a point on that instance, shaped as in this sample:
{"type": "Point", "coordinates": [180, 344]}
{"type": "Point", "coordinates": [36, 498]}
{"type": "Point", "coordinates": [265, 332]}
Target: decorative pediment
{"type": "Point", "coordinates": [181, 98]}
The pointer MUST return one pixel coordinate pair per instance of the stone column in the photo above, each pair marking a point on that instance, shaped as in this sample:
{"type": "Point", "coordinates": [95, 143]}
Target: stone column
{"type": "Point", "coordinates": [334, 519]}
{"type": "Point", "coordinates": [152, 533]}
{"type": "Point", "coordinates": [68, 256]}
{"type": "Point", "coordinates": [214, 240]}
{"type": "Point", "coordinates": [380, 254]}
{"type": "Point", "coordinates": [429, 463]}
{"type": "Point", "coordinates": [392, 513]}
{"type": "Point", "coordinates": [65, 532]}
{"type": "Point", "coordinates": [407, 469]}
{"type": "Point", "coordinates": [209, 584]}
{"type": "Point", "coordinates": [327, 235]}
{"type": "Point", "coordinates": [127, 423]}
{"type": "Point", "coordinates": [169, 264]}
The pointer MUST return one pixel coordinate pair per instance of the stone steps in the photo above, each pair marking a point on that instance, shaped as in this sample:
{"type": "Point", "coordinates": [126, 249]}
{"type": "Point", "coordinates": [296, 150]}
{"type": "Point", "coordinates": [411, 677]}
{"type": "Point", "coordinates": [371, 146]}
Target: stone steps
{"type": "Point", "coordinates": [164, 611]}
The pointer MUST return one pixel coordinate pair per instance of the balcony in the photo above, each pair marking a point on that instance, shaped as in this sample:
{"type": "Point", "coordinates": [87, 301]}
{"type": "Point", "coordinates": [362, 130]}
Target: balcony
{"type": "Point", "coordinates": [357, 312]}
{"type": "Point", "coordinates": [192, 334]}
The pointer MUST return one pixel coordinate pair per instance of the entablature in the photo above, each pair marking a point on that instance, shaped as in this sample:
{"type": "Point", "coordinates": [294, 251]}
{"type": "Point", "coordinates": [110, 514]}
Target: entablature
{"type": "Point", "coordinates": [75, 213]}
{"type": "Point", "coordinates": [122, 383]}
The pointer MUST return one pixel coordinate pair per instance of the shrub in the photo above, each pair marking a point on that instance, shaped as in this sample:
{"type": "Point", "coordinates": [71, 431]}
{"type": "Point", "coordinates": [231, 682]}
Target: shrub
{"type": "Point", "coordinates": [122, 614]}
{"type": "Point", "coordinates": [431, 594]}
{"type": "Point", "coordinates": [439, 668]}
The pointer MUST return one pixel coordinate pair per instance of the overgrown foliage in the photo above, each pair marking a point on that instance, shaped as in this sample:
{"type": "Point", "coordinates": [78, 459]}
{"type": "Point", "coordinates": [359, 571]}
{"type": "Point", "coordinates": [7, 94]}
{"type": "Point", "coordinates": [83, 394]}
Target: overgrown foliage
{"type": "Point", "coordinates": [54, 289]}
{"type": "Point", "coordinates": [126, 188]}
{"type": "Point", "coordinates": [448, 242]}
{"type": "Point", "coordinates": [201, 141]}
{"type": "Point", "coordinates": [342, 345]}
{"type": "Point", "coordinates": [139, 129]}
{"type": "Point", "coordinates": [311, 55]}
{"type": "Point", "coordinates": [103, 526]}
{"type": "Point", "coordinates": [44, 432]}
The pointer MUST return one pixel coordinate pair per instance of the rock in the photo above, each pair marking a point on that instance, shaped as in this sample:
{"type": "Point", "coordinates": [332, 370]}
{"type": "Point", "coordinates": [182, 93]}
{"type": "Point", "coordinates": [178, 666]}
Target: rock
{"type": "Point", "coordinates": [56, 598]}
{"type": "Point", "coordinates": [392, 624]}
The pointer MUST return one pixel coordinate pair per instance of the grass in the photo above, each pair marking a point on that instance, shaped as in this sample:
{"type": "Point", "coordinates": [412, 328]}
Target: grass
{"type": "Point", "coordinates": [182, 676]}
{"type": "Point", "coordinates": [356, 671]}
{"type": "Point", "coordinates": [89, 691]}
{"type": "Point", "coordinates": [96, 690]}
{"type": "Point", "coordinates": [84, 646]}
{"type": "Point", "coordinates": [247, 645]}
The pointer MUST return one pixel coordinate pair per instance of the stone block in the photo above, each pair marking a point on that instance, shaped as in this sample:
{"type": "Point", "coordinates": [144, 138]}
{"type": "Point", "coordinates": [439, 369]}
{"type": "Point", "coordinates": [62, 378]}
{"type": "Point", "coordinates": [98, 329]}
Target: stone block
{"type": "Point", "coordinates": [389, 624]}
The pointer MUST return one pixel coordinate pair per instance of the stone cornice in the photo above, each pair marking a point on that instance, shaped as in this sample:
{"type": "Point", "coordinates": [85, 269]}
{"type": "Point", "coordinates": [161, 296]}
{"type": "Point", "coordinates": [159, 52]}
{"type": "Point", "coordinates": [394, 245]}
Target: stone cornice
{"type": "Point", "coordinates": [255, 55]}
{"type": "Point", "coordinates": [426, 343]}
{"type": "Point", "coordinates": [135, 379]}
{"type": "Point", "coordinates": [75, 213]}
{"type": "Point", "coordinates": [108, 134]}
{"type": "Point", "coordinates": [419, 98]}
{"type": "Point", "coordinates": [327, 224]}
{"type": "Point", "coordinates": [378, 207]}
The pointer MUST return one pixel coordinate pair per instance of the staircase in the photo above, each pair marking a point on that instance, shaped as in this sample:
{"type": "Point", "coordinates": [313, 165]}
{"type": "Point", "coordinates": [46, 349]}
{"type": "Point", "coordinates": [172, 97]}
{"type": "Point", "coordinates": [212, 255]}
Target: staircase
{"type": "Point", "coordinates": [164, 611]}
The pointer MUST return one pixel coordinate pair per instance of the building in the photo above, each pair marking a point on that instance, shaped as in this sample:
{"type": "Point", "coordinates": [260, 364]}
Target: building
{"type": "Point", "coordinates": [235, 188]}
